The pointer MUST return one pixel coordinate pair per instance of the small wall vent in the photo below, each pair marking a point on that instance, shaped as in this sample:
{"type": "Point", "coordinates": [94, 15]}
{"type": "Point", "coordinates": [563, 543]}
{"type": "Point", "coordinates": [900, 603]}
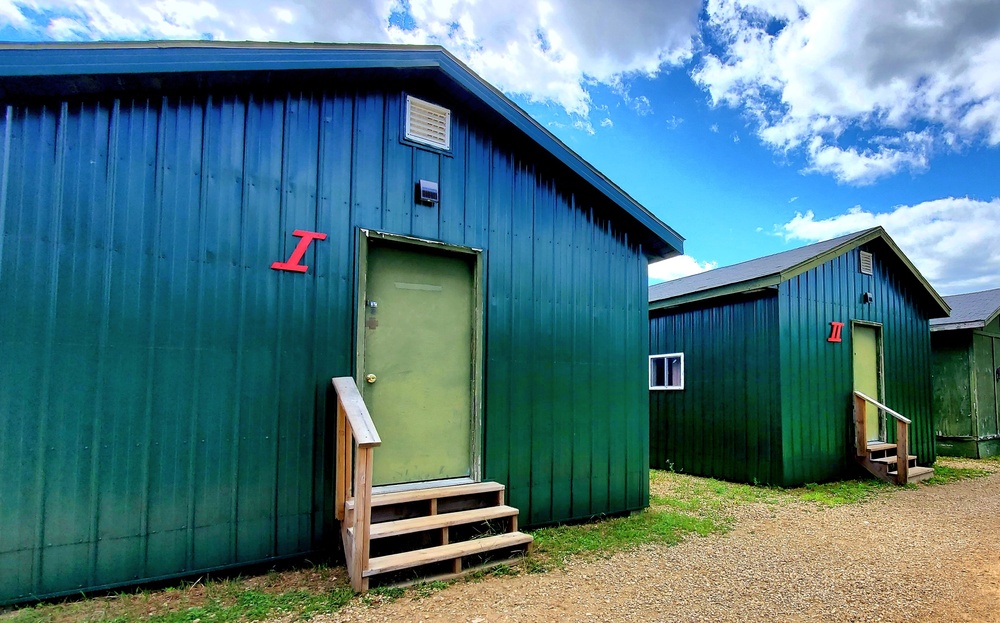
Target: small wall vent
{"type": "Point", "coordinates": [866, 262]}
{"type": "Point", "coordinates": [427, 123]}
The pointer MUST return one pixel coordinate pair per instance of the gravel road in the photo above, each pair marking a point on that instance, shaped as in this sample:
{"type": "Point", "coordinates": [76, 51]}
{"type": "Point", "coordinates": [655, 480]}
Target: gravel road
{"type": "Point", "coordinates": [926, 554]}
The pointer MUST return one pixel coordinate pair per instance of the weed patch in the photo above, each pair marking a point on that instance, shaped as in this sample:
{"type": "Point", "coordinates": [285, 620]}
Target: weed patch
{"type": "Point", "coordinates": [842, 492]}
{"type": "Point", "coordinates": [943, 474]}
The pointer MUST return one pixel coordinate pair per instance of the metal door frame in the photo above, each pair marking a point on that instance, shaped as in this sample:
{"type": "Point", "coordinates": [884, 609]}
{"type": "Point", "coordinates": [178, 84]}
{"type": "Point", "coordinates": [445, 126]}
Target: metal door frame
{"type": "Point", "coordinates": [361, 272]}
{"type": "Point", "coordinates": [879, 369]}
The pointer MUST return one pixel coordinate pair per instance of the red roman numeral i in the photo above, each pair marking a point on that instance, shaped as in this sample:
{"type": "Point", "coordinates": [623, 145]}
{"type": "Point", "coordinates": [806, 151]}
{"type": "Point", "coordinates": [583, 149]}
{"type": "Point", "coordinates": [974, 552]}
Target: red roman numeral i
{"type": "Point", "coordinates": [300, 250]}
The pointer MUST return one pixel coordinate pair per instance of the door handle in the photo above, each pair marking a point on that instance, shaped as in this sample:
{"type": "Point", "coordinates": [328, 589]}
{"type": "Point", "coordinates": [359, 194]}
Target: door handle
{"type": "Point", "coordinates": [371, 378]}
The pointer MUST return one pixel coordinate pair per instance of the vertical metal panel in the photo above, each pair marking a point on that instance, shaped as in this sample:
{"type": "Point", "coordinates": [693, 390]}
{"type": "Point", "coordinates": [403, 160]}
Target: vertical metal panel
{"type": "Point", "coordinates": [164, 392]}
{"type": "Point", "coordinates": [952, 383]}
{"type": "Point", "coordinates": [725, 423]}
{"type": "Point", "coordinates": [816, 374]}
{"type": "Point", "coordinates": [986, 361]}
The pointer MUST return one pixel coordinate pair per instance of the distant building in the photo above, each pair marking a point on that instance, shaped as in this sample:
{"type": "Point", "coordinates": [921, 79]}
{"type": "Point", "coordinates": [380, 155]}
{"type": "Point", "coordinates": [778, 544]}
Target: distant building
{"type": "Point", "coordinates": [967, 375]}
{"type": "Point", "coordinates": [753, 366]}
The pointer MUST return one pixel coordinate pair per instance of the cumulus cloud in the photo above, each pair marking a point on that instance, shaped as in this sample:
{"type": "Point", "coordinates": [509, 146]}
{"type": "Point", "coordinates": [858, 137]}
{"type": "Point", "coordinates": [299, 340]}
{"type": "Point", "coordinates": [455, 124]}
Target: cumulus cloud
{"type": "Point", "coordinates": [677, 267]}
{"type": "Point", "coordinates": [954, 242]}
{"type": "Point", "coordinates": [847, 82]}
{"type": "Point", "coordinates": [548, 51]}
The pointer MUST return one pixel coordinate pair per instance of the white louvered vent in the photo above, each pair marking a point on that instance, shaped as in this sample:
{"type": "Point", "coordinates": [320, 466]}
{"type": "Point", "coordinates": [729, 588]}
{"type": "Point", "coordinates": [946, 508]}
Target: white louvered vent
{"type": "Point", "coordinates": [427, 123]}
{"type": "Point", "coordinates": [866, 262]}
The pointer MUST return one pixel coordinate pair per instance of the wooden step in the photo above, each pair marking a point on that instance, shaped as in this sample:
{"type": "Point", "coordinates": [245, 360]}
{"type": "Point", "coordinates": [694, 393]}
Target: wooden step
{"type": "Point", "coordinates": [891, 459]}
{"type": "Point", "coordinates": [451, 551]}
{"type": "Point", "coordinates": [916, 474]}
{"type": "Point", "coordinates": [880, 446]}
{"type": "Point", "coordinates": [444, 520]}
{"type": "Point", "coordinates": [417, 495]}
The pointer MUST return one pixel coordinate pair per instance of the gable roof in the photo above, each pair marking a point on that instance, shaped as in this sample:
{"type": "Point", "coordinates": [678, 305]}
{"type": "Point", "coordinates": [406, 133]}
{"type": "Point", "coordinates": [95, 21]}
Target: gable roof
{"type": "Point", "coordinates": [974, 310]}
{"type": "Point", "coordinates": [771, 270]}
{"type": "Point", "coordinates": [39, 69]}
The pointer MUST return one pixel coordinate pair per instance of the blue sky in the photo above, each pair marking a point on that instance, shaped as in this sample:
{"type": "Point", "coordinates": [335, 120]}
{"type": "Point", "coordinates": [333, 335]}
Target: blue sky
{"type": "Point", "coordinates": [749, 126]}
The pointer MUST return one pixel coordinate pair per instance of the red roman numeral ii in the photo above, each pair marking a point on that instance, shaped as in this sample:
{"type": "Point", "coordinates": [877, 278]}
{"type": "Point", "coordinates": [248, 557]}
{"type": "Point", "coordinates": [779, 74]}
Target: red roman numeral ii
{"type": "Point", "coordinates": [835, 329]}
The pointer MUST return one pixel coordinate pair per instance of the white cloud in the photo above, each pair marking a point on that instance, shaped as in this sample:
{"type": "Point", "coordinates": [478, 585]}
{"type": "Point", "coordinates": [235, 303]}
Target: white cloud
{"type": "Point", "coordinates": [865, 89]}
{"type": "Point", "coordinates": [677, 267]}
{"type": "Point", "coordinates": [954, 242]}
{"type": "Point", "coordinates": [714, 128]}
{"type": "Point", "coordinates": [548, 51]}
{"type": "Point", "coordinates": [607, 123]}
{"type": "Point", "coordinates": [642, 106]}
{"type": "Point", "coordinates": [673, 122]}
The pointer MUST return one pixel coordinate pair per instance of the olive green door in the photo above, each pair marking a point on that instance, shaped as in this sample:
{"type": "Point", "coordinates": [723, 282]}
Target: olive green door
{"type": "Point", "coordinates": [418, 370]}
{"type": "Point", "coordinates": [866, 374]}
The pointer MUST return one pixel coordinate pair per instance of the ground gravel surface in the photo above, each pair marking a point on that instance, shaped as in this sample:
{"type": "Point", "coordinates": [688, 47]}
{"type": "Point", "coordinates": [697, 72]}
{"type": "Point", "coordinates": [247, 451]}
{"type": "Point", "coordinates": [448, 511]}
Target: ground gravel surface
{"type": "Point", "coordinates": [930, 553]}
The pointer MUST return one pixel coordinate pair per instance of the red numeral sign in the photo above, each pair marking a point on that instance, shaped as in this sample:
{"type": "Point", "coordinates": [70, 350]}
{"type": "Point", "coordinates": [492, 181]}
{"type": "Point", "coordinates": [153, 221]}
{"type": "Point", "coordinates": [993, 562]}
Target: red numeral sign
{"type": "Point", "coordinates": [835, 329]}
{"type": "Point", "coordinates": [300, 250]}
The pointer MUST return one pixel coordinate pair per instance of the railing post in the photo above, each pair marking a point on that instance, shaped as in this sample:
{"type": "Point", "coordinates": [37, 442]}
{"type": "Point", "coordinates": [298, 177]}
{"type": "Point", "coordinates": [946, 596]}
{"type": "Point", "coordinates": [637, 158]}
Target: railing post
{"type": "Point", "coordinates": [342, 464]}
{"type": "Point", "coordinates": [362, 518]}
{"type": "Point", "coordinates": [860, 426]}
{"type": "Point", "coordinates": [902, 452]}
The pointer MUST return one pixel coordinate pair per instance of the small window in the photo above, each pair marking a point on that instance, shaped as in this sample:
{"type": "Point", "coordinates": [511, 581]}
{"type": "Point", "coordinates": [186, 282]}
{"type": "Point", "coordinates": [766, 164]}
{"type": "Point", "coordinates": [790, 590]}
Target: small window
{"type": "Point", "coordinates": [866, 262]}
{"type": "Point", "coordinates": [427, 123]}
{"type": "Point", "coordinates": [666, 371]}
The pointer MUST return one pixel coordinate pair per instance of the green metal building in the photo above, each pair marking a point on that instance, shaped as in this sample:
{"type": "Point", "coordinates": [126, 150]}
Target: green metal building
{"type": "Point", "coordinates": [966, 372]}
{"type": "Point", "coordinates": [196, 237]}
{"type": "Point", "coordinates": [753, 366]}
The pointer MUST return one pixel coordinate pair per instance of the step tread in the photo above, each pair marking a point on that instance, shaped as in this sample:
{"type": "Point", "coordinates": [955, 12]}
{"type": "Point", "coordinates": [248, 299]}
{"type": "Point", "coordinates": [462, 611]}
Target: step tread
{"type": "Point", "coordinates": [878, 447]}
{"type": "Point", "coordinates": [417, 495]}
{"type": "Point", "coordinates": [405, 560]}
{"type": "Point", "coordinates": [915, 471]}
{"type": "Point", "coordinates": [892, 459]}
{"type": "Point", "coordinates": [430, 522]}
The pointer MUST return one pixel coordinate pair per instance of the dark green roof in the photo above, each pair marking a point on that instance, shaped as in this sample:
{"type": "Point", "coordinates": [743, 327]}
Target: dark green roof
{"type": "Point", "coordinates": [974, 310]}
{"type": "Point", "coordinates": [771, 270]}
{"type": "Point", "coordinates": [53, 69]}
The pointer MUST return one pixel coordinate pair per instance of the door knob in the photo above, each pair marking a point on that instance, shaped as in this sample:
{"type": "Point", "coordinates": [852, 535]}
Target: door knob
{"type": "Point", "coordinates": [371, 378]}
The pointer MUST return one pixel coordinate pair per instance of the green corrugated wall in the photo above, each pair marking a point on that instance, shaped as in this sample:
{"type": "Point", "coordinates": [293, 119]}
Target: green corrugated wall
{"type": "Point", "coordinates": [163, 391]}
{"type": "Point", "coordinates": [726, 421]}
{"type": "Point", "coordinates": [817, 375]}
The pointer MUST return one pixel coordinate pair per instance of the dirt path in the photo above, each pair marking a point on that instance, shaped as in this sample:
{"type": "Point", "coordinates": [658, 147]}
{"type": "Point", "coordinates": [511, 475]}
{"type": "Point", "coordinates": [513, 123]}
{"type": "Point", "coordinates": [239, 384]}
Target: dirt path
{"type": "Point", "coordinates": [925, 554]}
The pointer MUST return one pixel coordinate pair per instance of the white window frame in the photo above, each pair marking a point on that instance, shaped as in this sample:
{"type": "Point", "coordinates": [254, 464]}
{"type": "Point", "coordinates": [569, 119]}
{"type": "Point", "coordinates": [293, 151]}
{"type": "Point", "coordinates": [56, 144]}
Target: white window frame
{"type": "Point", "coordinates": [680, 358]}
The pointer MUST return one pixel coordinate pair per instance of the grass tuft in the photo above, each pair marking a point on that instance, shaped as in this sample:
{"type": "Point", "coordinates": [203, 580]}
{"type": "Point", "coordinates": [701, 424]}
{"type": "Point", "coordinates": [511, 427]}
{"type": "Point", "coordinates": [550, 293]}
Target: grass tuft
{"type": "Point", "coordinates": [943, 474]}
{"type": "Point", "coordinates": [842, 492]}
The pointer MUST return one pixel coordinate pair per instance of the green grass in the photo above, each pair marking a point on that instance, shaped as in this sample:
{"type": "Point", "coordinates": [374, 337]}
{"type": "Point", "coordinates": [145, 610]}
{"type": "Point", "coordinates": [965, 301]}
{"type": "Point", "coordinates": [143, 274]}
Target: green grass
{"type": "Point", "coordinates": [687, 506]}
{"type": "Point", "coordinates": [943, 474]}
{"type": "Point", "coordinates": [842, 492]}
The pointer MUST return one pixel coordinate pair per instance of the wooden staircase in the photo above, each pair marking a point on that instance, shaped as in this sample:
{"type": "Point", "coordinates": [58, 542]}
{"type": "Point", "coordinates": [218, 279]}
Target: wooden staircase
{"type": "Point", "coordinates": [890, 462]}
{"type": "Point", "coordinates": [443, 532]}
{"type": "Point", "coordinates": [881, 460]}
{"type": "Point", "coordinates": [416, 534]}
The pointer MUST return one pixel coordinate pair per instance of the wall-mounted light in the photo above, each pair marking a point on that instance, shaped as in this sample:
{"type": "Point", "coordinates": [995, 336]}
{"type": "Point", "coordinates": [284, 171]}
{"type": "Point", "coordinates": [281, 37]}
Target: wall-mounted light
{"type": "Point", "coordinates": [427, 192]}
{"type": "Point", "coordinates": [867, 297]}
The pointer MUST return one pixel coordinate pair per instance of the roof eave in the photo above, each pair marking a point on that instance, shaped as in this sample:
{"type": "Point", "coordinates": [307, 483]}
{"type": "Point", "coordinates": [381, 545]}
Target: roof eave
{"type": "Point", "coordinates": [955, 326]}
{"type": "Point", "coordinates": [760, 283]}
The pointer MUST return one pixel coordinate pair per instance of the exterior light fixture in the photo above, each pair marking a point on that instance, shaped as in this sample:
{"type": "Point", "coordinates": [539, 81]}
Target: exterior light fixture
{"type": "Point", "coordinates": [427, 192]}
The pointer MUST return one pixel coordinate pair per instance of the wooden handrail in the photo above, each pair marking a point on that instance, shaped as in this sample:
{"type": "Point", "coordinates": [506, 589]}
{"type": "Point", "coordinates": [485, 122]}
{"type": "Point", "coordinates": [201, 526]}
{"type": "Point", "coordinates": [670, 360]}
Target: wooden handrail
{"type": "Point", "coordinates": [902, 434]}
{"type": "Point", "coordinates": [878, 404]}
{"type": "Point", "coordinates": [356, 412]}
{"type": "Point", "coordinates": [356, 442]}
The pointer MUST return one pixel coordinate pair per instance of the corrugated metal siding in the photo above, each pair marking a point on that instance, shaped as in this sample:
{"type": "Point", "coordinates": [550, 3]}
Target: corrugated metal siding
{"type": "Point", "coordinates": [952, 383]}
{"type": "Point", "coordinates": [725, 423]}
{"type": "Point", "coordinates": [817, 375]}
{"type": "Point", "coordinates": [163, 391]}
